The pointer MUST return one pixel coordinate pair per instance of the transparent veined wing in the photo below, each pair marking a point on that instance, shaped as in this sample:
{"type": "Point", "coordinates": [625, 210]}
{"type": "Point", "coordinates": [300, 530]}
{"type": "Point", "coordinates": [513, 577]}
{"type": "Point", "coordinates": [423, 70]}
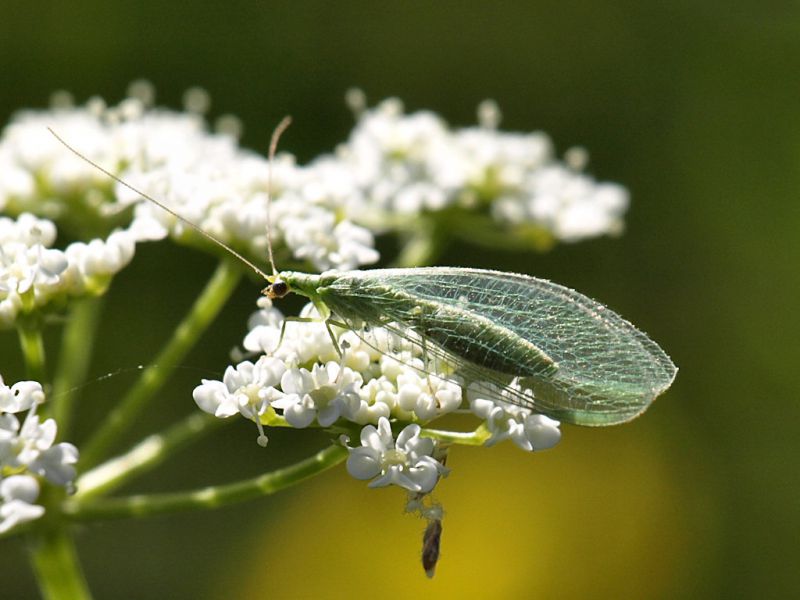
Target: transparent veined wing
{"type": "Point", "coordinates": [607, 371]}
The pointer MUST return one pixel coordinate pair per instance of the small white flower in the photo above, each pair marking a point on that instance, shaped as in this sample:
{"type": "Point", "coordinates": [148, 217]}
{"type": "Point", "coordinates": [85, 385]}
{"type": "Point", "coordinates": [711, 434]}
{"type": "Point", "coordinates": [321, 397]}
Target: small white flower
{"type": "Point", "coordinates": [17, 496]}
{"type": "Point", "coordinates": [29, 446]}
{"type": "Point", "coordinates": [314, 235]}
{"type": "Point", "coordinates": [25, 258]}
{"type": "Point", "coordinates": [9, 430]}
{"type": "Point", "coordinates": [32, 447]}
{"type": "Point", "coordinates": [407, 462]}
{"type": "Point", "coordinates": [352, 247]}
{"type": "Point", "coordinates": [325, 393]}
{"type": "Point", "coordinates": [427, 397]}
{"type": "Point", "coordinates": [103, 257]}
{"type": "Point", "coordinates": [359, 356]}
{"type": "Point", "coordinates": [34, 438]}
{"type": "Point", "coordinates": [247, 389]}
{"type": "Point", "coordinates": [264, 328]}
{"type": "Point", "coordinates": [20, 396]}
{"type": "Point", "coordinates": [538, 432]}
{"type": "Point", "coordinates": [572, 205]}
{"type": "Point", "coordinates": [377, 399]}
{"type": "Point", "coordinates": [528, 430]}
{"type": "Point", "coordinates": [57, 464]}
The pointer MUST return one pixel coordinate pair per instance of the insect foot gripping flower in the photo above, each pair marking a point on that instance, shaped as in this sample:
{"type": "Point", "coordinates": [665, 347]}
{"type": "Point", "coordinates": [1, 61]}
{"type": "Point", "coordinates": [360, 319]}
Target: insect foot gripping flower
{"type": "Point", "coordinates": [27, 453]}
{"type": "Point", "coordinates": [407, 462]}
{"type": "Point", "coordinates": [378, 374]}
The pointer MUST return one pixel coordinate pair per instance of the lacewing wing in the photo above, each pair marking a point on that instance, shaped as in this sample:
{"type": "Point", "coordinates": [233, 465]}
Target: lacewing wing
{"type": "Point", "coordinates": [539, 344]}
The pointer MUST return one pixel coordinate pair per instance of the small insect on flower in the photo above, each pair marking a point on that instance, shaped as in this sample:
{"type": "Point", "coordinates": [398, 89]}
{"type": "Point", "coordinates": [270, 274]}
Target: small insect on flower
{"type": "Point", "coordinates": [527, 341]}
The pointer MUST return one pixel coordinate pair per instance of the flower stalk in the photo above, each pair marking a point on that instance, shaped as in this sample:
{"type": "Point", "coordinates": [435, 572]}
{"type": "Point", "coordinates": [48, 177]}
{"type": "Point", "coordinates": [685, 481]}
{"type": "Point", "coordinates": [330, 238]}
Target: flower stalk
{"type": "Point", "coordinates": [56, 565]}
{"type": "Point", "coordinates": [74, 358]}
{"type": "Point", "coordinates": [32, 344]}
{"type": "Point", "coordinates": [207, 306]}
{"type": "Point", "coordinates": [144, 456]}
{"type": "Point", "coordinates": [206, 498]}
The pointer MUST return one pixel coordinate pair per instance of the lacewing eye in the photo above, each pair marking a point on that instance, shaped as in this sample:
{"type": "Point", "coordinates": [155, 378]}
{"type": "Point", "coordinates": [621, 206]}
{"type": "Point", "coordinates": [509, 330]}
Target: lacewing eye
{"type": "Point", "coordinates": [278, 289]}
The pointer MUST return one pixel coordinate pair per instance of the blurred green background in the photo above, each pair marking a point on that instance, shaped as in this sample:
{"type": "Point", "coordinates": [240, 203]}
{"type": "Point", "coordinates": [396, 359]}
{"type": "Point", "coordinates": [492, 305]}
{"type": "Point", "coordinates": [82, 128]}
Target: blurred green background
{"type": "Point", "coordinates": [694, 106]}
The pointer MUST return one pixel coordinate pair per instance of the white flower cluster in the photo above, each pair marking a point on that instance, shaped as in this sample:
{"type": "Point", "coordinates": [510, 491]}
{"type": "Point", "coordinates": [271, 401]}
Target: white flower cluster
{"type": "Point", "coordinates": [393, 167]}
{"type": "Point", "coordinates": [302, 381]}
{"type": "Point", "coordinates": [32, 274]}
{"type": "Point", "coordinates": [27, 453]}
{"type": "Point", "coordinates": [205, 177]}
{"type": "Point", "coordinates": [408, 164]}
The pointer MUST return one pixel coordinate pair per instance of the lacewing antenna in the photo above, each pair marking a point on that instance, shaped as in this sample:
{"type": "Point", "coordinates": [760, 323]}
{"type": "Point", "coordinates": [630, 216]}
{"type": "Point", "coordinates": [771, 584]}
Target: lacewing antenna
{"type": "Point", "coordinates": [272, 147]}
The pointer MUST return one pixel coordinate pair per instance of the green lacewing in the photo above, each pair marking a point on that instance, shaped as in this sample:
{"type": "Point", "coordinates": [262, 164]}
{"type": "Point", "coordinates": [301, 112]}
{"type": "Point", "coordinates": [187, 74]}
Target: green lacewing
{"type": "Point", "coordinates": [583, 363]}
{"type": "Point", "coordinates": [536, 343]}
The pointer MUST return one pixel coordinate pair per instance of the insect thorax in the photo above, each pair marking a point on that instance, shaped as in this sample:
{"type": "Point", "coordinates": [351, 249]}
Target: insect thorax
{"type": "Point", "coordinates": [466, 335]}
{"type": "Point", "coordinates": [305, 284]}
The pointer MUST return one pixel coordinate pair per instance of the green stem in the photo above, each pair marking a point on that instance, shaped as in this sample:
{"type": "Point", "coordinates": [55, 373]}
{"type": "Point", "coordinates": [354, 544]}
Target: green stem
{"type": "Point", "coordinates": [32, 344]}
{"type": "Point", "coordinates": [209, 497]}
{"type": "Point", "coordinates": [469, 438]}
{"type": "Point", "coordinates": [144, 456]}
{"type": "Point", "coordinates": [77, 344]}
{"type": "Point", "coordinates": [482, 230]}
{"type": "Point", "coordinates": [203, 311]}
{"type": "Point", "coordinates": [55, 562]}
{"type": "Point", "coordinates": [422, 248]}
